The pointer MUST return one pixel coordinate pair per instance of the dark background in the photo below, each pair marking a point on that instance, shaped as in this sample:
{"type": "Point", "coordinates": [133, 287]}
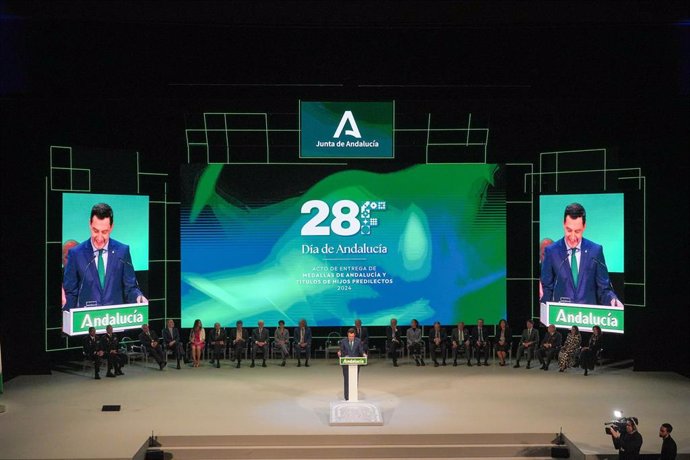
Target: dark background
{"type": "Point", "coordinates": [131, 76]}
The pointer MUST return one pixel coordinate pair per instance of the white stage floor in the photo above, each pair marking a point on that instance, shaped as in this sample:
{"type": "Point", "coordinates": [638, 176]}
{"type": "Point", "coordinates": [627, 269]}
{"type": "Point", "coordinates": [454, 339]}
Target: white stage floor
{"type": "Point", "coordinates": [59, 415]}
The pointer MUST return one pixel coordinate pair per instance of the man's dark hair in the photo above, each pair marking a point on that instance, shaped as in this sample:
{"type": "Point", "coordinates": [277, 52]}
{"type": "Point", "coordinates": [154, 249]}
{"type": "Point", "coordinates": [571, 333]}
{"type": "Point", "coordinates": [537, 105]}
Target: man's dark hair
{"type": "Point", "coordinates": [238, 323]}
{"type": "Point", "coordinates": [281, 322]}
{"type": "Point", "coordinates": [668, 427]}
{"type": "Point", "coordinates": [351, 330]}
{"type": "Point", "coordinates": [531, 321]}
{"type": "Point", "coordinates": [102, 211]}
{"type": "Point", "coordinates": [575, 210]}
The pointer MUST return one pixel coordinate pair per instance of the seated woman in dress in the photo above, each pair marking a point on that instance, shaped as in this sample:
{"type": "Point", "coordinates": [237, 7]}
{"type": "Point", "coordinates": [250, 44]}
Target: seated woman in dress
{"type": "Point", "coordinates": [568, 353]}
{"type": "Point", "coordinates": [197, 340]}
{"type": "Point", "coordinates": [503, 341]}
{"type": "Point", "coordinates": [588, 354]}
{"type": "Point", "coordinates": [414, 343]}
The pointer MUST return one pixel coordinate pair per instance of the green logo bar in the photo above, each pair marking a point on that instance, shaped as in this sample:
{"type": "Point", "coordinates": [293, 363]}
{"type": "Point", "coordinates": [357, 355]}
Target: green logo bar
{"type": "Point", "coordinates": [346, 129]}
{"type": "Point", "coordinates": [119, 316]}
{"type": "Point", "coordinates": [609, 319]}
{"type": "Point", "coordinates": [362, 361]}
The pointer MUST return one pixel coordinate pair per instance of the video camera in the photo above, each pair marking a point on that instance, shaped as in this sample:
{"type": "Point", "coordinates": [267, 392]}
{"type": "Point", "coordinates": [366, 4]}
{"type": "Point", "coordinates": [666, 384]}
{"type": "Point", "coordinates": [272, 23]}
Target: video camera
{"type": "Point", "coordinates": [619, 424]}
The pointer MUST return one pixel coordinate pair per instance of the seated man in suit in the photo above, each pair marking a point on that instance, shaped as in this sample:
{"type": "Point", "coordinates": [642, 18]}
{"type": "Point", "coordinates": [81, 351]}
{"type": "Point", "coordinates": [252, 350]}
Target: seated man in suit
{"type": "Point", "coordinates": [550, 346]}
{"type": "Point", "coordinates": [260, 337]}
{"type": "Point", "coordinates": [217, 339]}
{"type": "Point", "coordinates": [111, 348]}
{"type": "Point", "coordinates": [302, 334]}
{"type": "Point", "coordinates": [238, 341]}
{"type": "Point", "coordinates": [362, 334]}
{"type": "Point", "coordinates": [350, 346]}
{"type": "Point", "coordinates": [480, 343]}
{"type": "Point", "coordinates": [149, 340]}
{"type": "Point", "coordinates": [93, 351]}
{"type": "Point", "coordinates": [461, 342]}
{"type": "Point", "coordinates": [528, 343]}
{"type": "Point", "coordinates": [437, 343]}
{"type": "Point", "coordinates": [171, 339]}
{"type": "Point", "coordinates": [393, 340]}
{"type": "Point", "coordinates": [281, 340]}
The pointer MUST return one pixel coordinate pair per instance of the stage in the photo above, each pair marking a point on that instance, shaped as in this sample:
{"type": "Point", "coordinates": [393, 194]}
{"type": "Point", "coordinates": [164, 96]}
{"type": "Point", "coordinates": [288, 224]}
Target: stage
{"type": "Point", "coordinates": [59, 415]}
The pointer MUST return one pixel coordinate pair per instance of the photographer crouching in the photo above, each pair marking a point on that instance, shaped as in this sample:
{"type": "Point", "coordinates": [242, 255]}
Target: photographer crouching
{"type": "Point", "coordinates": [626, 438]}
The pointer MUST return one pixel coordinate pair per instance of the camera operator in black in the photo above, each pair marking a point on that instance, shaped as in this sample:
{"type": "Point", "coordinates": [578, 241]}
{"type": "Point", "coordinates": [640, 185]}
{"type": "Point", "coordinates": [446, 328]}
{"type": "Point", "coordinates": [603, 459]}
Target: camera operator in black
{"type": "Point", "coordinates": [628, 442]}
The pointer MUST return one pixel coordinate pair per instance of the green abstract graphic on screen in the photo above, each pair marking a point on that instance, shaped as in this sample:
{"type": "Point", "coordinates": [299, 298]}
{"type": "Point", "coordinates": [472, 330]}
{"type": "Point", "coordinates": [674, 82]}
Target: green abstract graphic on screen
{"type": "Point", "coordinates": [331, 244]}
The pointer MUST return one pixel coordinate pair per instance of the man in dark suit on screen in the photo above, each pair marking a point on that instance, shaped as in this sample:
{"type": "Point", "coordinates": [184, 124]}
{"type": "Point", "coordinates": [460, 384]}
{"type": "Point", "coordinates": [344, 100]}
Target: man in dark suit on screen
{"type": "Point", "coordinates": [99, 271]}
{"type": "Point", "coordinates": [350, 347]}
{"type": "Point", "coordinates": [574, 268]}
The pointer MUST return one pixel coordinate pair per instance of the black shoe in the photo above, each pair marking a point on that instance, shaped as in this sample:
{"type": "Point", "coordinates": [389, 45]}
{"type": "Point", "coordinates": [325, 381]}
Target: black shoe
{"type": "Point", "coordinates": [395, 364]}
{"type": "Point", "coordinates": [217, 364]}
{"type": "Point", "coordinates": [417, 362]}
{"type": "Point", "coordinates": [422, 361]}
{"type": "Point", "coordinates": [455, 363]}
{"type": "Point", "coordinates": [528, 366]}
{"type": "Point", "coordinates": [469, 364]}
{"type": "Point", "coordinates": [561, 370]}
{"type": "Point", "coordinates": [282, 364]}
{"type": "Point", "coordinates": [97, 377]}
{"type": "Point", "coordinates": [443, 363]}
{"type": "Point", "coordinates": [238, 365]}
{"type": "Point", "coordinates": [299, 364]}
{"type": "Point", "coordinates": [263, 364]}
{"type": "Point", "coordinates": [252, 364]}
{"type": "Point", "coordinates": [178, 366]}
{"type": "Point", "coordinates": [516, 365]}
{"type": "Point", "coordinates": [119, 372]}
{"type": "Point", "coordinates": [212, 361]}
{"type": "Point", "coordinates": [435, 364]}
{"type": "Point", "coordinates": [585, 373]}
{"type": "Point", "coordinates": [110, 374]}
{"type": "Point", "coordinates": [306, 364]}
{"type": "Point", "coordinates": [486, 363]}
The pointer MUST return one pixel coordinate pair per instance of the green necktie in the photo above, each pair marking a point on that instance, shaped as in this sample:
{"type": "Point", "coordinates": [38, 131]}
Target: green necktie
{"type": "Point", "coordinates": [573, 265]}
{"type": "Point", "coordinates": [101, 268]}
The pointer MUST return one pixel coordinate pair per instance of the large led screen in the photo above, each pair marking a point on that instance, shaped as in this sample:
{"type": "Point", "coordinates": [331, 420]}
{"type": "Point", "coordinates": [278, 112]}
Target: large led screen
{"type": "Point", "coordinates": [331, 244]}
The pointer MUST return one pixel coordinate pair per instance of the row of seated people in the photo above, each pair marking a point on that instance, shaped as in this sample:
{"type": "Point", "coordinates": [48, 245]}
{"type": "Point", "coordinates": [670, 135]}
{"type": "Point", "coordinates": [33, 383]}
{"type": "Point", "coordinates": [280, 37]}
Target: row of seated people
{"type": "Point", "coordinates": [237, 340]}
{"type": "Point", "coordinates": [104, 348]}
{"type": "Point", "coordinates": [478, 342]}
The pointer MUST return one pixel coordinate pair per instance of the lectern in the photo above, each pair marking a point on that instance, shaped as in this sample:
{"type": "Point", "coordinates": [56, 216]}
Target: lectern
{"type": "Point", "coordinates": [353, 364]}
{"type": "Point", "coordinates": [354, 411]}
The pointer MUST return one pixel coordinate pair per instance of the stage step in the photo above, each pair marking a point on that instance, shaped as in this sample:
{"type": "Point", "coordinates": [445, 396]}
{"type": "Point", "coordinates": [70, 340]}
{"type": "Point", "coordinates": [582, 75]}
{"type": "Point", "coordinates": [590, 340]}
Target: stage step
{"type": "Point", "coordinates": [314, 447]}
